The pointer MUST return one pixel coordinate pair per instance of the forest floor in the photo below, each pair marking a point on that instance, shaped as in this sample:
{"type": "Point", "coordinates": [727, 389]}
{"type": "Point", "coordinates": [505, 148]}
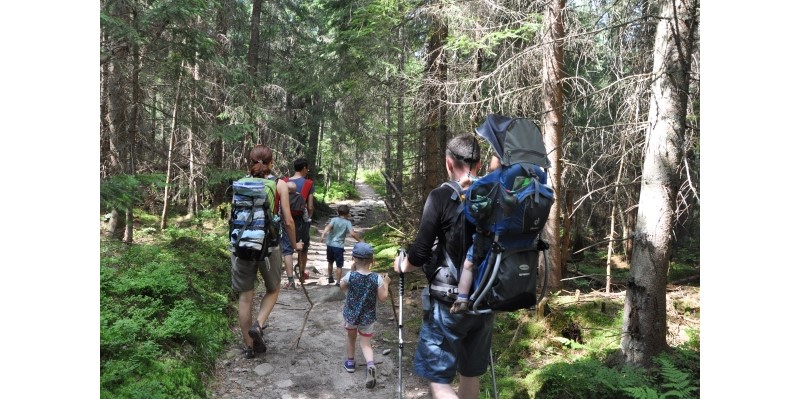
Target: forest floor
{"type": "Point", "coordinates": [304, 359]}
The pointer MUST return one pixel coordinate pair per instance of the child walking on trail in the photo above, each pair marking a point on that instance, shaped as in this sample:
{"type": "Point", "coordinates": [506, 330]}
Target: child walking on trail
{"type": "Point", "coordinates": [362, 289]}
{"type": "Point", "coordinates": [338, 228]}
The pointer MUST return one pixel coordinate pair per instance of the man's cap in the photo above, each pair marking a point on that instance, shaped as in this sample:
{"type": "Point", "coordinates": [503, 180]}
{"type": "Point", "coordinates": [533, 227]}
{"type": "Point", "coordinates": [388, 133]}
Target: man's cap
{"type": "Point", "coordinates": [362, 250]}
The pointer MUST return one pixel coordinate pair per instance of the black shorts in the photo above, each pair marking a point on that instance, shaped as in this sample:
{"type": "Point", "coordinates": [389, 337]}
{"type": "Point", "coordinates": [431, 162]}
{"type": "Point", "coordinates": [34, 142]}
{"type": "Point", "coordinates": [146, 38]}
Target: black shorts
{"type": "Point", "coordinates": [303, 233]}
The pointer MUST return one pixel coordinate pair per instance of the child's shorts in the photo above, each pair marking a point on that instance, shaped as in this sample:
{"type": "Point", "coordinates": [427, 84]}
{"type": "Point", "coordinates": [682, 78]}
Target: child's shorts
{"type": "Point", "coordinates": [364, 331]}
{"type": "Point", "coordinates": [335, 254]}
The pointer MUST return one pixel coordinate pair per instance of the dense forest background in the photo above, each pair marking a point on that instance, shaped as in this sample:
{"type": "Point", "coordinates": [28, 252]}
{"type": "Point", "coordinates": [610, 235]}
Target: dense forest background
{"type": "Point", "coordinates": [187, 87]}
{"type": "Point", "coordinates": [192, 95]}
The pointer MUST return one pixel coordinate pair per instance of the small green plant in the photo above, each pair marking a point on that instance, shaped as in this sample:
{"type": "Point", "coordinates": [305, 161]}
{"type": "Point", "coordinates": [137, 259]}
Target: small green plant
{"type": "Point", "coordinates": [375, 180]}
{"type": "Point", "coordinates": [337, 191]}
{"type": "Point", "coordinates": [676, 384]}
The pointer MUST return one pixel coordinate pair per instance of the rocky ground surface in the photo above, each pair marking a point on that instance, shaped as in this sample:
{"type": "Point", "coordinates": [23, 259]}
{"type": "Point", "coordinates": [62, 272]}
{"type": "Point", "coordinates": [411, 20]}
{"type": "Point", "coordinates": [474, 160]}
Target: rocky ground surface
{"type": "Point", "coordinates": [304, 357]}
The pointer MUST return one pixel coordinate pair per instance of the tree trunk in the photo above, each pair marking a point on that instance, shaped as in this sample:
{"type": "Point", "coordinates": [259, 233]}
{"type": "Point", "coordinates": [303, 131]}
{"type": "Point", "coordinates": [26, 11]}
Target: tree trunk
{"type": "Point", "coordinates": [255, 30]}
{"type": "Point", "coordinates": [611, 229]}
{"type": "Point", "coordinates": [399, 164]}
{"type": "Point", "coordinates": [193, 206]}
{"type": "Point", "coordinates": [553, 98]}
{"type": "Point", "coordinates": [314, 128]}
{"type": "Point", "coordinates": [174, 126]}
{"type": "Point", "coordinates": [117, 117]}
{"type": "Point", "coordinates": [387, 149]}
{"type": "Point", "coordinates": [104, 116]}
{"type": "Point", "coordinates": [133, 133]}
{"type": "Point", "coordinates": [435, 130]}
{"type": "Point", "coordinates": [644, 327]}
{"type": "Point", "coordinates": [218, 191]}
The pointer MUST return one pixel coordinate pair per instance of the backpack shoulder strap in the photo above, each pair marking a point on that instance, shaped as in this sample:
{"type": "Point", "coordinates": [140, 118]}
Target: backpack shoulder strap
{"type": "Point", "coordinates": [306, 189]}
{"type": "Point", "coordinates": [276, 196]}
{"type": "Point", "coordinates": [458, 192]}
{"type": "Point", "coordinates": [458, 195]}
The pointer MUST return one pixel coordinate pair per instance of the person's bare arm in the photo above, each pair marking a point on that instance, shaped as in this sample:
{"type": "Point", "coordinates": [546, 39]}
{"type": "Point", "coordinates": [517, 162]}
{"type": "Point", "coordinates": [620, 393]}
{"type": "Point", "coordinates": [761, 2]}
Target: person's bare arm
{"type": "Point", "coordinates": [383, 290]}
{"type": "Point", "coordinates": [288, 221]}
{"type": "Point", "coordinates": [326, 231]}
{"type": "Point", "coordinates": [310, 204]}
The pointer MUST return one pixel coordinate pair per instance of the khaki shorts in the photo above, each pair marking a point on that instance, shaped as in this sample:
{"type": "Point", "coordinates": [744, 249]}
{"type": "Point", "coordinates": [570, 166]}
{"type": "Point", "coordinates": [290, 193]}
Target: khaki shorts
{"type": "Point", "coordinates": [243, 272]}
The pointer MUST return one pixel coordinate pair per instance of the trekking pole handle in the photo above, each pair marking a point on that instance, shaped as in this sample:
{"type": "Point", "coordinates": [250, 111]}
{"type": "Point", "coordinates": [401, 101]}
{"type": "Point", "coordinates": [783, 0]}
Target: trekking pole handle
{"type": "Point", "coordinates": [401, 253]}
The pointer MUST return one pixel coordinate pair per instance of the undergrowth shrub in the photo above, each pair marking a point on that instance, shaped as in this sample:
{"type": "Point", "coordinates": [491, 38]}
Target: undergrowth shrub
{"type": "Point", "coordinates": [165, 308]}
{"type": "Point", "coordinates": [566, 355]}
{"type": "Point", "coordinates": [671, 382]}
{"type": "Point", "coordinates": [587, 377]}
{"type": "Point", "coordinates": [375, 180]}
{"type": "Point", "coordinates": [337, 191]}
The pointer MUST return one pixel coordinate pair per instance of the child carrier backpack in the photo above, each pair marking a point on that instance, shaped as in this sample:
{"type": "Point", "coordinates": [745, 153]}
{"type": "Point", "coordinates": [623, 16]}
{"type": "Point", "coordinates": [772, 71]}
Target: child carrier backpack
{"type": "Point", "coordinates": [253, 227]}
{"type": "Point", "coordinates": [509, 206]}
{"type": "Point", "coordinates": [297, 200]}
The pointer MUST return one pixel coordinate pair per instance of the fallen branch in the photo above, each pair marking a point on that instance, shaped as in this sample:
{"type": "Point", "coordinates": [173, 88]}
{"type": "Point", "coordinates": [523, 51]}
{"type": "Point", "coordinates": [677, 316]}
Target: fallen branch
{"type": "Point", "coordinates": [305, 319]}
{"type": "Point", "coordinates": [686, 279]}
{"type": "Point", "coordinates": [391, 297]}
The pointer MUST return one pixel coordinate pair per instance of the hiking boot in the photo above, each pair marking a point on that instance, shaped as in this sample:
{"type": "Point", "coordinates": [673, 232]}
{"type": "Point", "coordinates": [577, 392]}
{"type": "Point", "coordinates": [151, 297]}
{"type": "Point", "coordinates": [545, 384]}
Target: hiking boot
{"type": "Point", "coordinates": [331, 280]}
{"type": "Point", "coordinates": [257, 334]}
{"type": "Point", "coordinates": [248, 352]}
{"type": "Point", "coordinates": [459, 306]}
{"type": "Point", "coordinates": [290, 284]}
{"type": "Point", "coordinates": [370, 377]}
{"type": "Point", "coordinates": [350, 365]}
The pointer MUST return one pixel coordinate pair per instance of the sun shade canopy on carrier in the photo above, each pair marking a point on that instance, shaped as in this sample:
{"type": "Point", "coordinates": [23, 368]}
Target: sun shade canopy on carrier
{"type": "Point", "coordinates": [512, 140]}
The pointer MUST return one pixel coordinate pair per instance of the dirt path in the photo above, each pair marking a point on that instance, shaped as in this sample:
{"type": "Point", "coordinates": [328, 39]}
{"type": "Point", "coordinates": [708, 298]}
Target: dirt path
{"type": "Point", "coordinates": [312, 367]}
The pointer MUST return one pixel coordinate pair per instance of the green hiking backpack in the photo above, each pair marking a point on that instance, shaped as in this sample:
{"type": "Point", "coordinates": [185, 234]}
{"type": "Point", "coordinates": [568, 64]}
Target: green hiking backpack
{"type": "Point", "coordinates": [253, 227]}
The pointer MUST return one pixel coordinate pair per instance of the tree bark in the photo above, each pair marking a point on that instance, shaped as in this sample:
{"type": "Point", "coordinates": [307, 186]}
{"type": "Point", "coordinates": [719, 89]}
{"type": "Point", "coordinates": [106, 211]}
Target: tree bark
{"type": "Point", "coordinates": [553, 98]}
{"type": "Point", "coordinates": [644, 326]}
{"type": "Point", "coordinates": [435, 130]}
{"type": "Point", "coordinates": [255, 30]}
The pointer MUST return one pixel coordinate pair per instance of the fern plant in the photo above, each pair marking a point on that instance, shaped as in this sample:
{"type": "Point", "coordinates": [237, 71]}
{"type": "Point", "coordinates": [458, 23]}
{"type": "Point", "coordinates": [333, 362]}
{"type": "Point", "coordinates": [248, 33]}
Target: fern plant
{"type": "Point", "coordinates": [678, 384]}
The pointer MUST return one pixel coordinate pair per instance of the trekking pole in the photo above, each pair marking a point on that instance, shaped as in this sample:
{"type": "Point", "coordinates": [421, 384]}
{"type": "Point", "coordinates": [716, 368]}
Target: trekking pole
{"type": "Point", "coordinates": [401, 257]}
{"type": "Point", "coordinates": [491, 364]}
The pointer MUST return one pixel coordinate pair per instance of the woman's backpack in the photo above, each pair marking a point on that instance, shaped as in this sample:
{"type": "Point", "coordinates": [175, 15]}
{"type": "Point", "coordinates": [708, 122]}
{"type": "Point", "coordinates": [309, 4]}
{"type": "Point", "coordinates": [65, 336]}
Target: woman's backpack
{"type": "Point", "coordinates": [253, 228]}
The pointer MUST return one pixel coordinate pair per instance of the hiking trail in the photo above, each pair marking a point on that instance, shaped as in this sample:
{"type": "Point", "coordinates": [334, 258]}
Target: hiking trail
{"type": "Point", "coordinates": [312, 367]}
